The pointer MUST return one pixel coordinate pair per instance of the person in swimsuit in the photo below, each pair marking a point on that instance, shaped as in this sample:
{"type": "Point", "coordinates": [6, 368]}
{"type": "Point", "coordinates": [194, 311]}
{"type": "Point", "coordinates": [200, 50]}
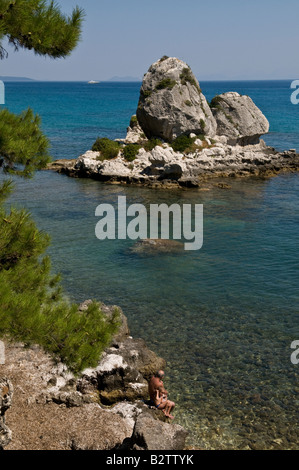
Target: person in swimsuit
{"type": "Point", "coordinates": [157, 392]}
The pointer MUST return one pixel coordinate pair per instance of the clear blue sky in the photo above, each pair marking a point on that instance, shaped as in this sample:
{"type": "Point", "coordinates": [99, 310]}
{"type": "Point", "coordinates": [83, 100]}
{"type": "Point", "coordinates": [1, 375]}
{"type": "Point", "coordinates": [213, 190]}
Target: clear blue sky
{"type": "Point", "coordinates": [232, 39]}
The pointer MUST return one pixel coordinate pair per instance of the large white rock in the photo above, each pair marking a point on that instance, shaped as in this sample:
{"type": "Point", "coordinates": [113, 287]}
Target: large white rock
{"type": "Point", "coordinates": [238, 118]}
{"type": "Point", "coordinates": [171, 102]}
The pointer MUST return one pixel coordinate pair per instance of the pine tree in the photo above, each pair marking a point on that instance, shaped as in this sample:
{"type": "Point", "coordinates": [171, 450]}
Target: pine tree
{"type": "Point", "coordinates": [33, 308]}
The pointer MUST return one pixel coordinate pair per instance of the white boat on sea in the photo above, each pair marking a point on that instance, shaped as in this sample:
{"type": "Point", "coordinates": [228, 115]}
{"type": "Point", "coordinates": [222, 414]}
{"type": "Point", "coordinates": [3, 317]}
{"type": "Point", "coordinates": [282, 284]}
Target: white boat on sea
{"type": "Point", "coordinates": [93, 82]}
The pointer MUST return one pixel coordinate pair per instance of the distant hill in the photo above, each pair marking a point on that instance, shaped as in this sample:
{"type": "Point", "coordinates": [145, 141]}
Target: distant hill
{"type": "Point", "coordinates": [124, 79]}
{"type": "Point", "coordinates": [16, 79]}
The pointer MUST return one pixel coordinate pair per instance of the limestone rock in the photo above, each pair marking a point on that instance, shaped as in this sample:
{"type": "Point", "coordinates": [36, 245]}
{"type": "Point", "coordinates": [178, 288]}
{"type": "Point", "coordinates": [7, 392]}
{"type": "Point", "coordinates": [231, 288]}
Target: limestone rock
{"type": "Point", "coordinates": [152, 434]}
{"type": "Point", "coordinates": [122, 373]}
{"type": "Point", "coordinates": [134, 132]}
{"type": "Point", "coordinates": [238, 119]}
{"type": "Point", "coordinates": [171, 102]}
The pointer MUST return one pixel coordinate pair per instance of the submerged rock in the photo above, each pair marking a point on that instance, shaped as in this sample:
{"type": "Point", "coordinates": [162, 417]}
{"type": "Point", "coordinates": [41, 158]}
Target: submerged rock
{"type": "Point", "coordinates": [239, 119]}
{"type": "Point", "coordinates": [171, 102]}
{"type": "Point", "coordinates": [156, 246]}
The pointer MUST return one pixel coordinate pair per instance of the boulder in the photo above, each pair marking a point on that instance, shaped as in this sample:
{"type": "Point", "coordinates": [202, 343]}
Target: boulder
{"type": "Point", "coordinates": [152, 434]}
{"type": "Point", "coordinates": [239, 119]}
{"type": "Point", "coordinates": [171, 102]}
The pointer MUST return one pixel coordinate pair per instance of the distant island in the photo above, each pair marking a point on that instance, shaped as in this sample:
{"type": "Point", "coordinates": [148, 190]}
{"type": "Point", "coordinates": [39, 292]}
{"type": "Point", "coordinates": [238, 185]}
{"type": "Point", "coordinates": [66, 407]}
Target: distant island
{"type": "Point", "coordinates": [124, 79]}
{"type": "Point", "coordinates": [16, 79]}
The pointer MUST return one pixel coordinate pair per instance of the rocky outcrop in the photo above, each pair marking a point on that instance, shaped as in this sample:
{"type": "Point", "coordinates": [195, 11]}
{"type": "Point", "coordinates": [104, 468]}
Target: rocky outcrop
{"type": "Point", "coordinates": [224, 137]}
{"type": "Point", "coordinates": [55, 410]}
{"type": "Point", "coordinates": [122, 373]}
{"type": "Point", "coordinates": [134, 132]}
{"type": "Point", "coordinates": [150, 434]}
{"type": "Point", "coordinates": [171, 102]}
{"type": "Point", "coordinates": [163, 167]}
{"type": "Point", "coordinates": [239, 119]}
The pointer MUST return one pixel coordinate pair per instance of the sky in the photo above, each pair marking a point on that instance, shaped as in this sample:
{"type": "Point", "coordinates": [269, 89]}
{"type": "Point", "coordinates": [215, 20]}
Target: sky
{"type": "Point", "coordinates": [219, 40]}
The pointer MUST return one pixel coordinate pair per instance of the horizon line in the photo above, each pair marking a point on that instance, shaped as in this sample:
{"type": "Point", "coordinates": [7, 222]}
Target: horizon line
{"type": "Point", "coordinates": [29, 80]}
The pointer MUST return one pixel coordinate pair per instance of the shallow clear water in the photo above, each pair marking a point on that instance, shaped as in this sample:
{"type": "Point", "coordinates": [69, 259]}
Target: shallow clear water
{"type": "Point", "coordinates": [223, 317]}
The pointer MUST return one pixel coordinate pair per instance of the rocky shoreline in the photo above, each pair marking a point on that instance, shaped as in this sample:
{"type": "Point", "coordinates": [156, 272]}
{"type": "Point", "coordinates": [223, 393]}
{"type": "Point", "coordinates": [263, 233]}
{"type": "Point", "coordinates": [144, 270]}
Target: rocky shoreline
{"type": "Point", "coordinates": [45, 407]}
{"type": "Point", "coordinates": [164, 168]}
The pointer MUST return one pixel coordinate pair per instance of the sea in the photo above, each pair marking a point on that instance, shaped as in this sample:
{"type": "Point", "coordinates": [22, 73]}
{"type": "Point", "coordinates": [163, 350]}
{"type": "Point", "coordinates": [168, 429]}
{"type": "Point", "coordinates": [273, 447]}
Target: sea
{"type": "Point", "coordinates": [223, 317]}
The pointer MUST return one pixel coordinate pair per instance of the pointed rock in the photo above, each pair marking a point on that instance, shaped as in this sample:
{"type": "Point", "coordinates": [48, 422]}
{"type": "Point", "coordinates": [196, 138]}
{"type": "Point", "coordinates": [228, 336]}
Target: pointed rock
{"type": "Point", "coordinates": [171, 102]}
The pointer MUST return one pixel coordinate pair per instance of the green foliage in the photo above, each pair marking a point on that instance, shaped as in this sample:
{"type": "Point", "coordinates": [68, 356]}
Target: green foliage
{"type": "Point", "coordinates": [216, 102]}
{"type": "Point", "coordinates": [203, 124]}
{"type": "Point", "coordinates": [165, 57]}
{"type": "Point", "coordinates": [186, 76]}
{"type": "Point", "coordinates": [185, 144]}
{"type": "Point", "coordinates": [133, 121]}
{"type": "Point", "coordinates": [152, 143]}
{"type": "Point", "coordinates": [32, 307]}
{"type": "Point", "coordinates": [130, 152]}
{"type": "Point", "coordinates": [39, 25]}
{"type": "Point", "coordinates": [146, 93]}
{"type": "Point", "coordinates": [182, 142]}
{"type": "Point", "coordinates": [23, 147]}
{"type": "Point", "coordinates": [109, 148]}
{"type": "Point", "coordinates": [166, 83]}
{"type": "Point", "coordinates": [188, 103]}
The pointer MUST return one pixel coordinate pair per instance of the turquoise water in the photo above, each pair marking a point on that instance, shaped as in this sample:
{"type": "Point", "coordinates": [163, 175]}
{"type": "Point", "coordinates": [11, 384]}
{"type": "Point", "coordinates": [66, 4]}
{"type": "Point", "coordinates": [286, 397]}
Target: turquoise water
{"type": "Point", "coordinates": [223, 317]}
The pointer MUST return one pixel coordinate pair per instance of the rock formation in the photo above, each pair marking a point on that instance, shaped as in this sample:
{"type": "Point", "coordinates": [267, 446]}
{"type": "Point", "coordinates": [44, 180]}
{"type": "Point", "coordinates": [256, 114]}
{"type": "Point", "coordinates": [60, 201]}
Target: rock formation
{"type": "Point", "coordinates": [55, 410]}
{"type": "Point", "coordinates": [239, 119]}
{"type": "Point", "coordinates": [223, 138]}
{"type": "Point", "coordinates": [171, 102]}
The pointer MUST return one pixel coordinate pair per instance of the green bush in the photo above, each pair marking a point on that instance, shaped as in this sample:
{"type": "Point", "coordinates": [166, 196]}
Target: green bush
{"type": "Point", "coordinates": [109, 148]}
{"type": "Point", "coordinates": [130, 152]}
{"type": "Point", "coordinates": [182, 142]}
{"type": "Point", "coordinates": [133, 122]}
{"type": "Point", "coordinates": [216, 102]}
{"type": "Point", "coordinates": [166, 83]}
{"type": "Point", "coordinates": [186, 76]}
{"type": "Point", "coordinates": [151, 144]}
{"type": "Point", "coordinates": [146, 93]}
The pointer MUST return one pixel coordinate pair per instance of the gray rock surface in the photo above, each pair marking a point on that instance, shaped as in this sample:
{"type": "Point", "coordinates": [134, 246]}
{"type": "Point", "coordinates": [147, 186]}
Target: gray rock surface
{"type": "Point", "coordinates": [152, 434]}
{"type": "Point", "coordinates": [165, 168]}
{"type": "Point", "coordinates": [171, 102]}
{"type": "Point", "coordinates": [122, 373]}
{"type": "Point", "coordinates": [239, 119]}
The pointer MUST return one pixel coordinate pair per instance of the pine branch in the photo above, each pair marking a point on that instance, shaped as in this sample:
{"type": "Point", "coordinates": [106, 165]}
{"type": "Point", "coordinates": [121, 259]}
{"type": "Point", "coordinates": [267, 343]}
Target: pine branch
{"type": "Point", "coordinates": [40, 26]}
